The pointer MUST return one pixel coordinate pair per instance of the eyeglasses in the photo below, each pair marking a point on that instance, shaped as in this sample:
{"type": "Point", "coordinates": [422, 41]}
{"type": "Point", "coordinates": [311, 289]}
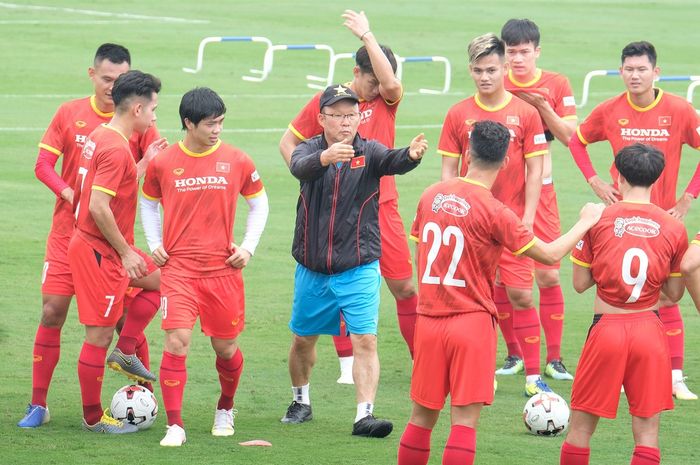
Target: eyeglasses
{"type": "Point", "coordinates": [338, 117]}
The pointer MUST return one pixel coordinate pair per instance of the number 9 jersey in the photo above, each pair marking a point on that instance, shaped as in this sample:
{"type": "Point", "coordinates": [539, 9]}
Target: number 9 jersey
{"type": "Point", "coordinates": [461, 230]}
{"type": "Point", "coordinates": [631, 252]}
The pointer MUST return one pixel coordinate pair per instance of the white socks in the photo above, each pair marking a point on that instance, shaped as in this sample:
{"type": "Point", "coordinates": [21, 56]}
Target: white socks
{"type": "Point", "coordinates": [364, 409]}
{"type": "Point", "coordinates": [676, 375]}
{"type": "Point", "coordinates": [301, 394]}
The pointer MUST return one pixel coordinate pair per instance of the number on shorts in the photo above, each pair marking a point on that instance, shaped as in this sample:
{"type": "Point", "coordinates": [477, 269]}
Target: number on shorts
{"type": "Point", "coordinates": [164, 306]}
{"type": "Point", "coordinates": [442, 238]}
{"type": "Point", "coordinates": [109, 307]}
{"type": "Point", "coordinates": [640, 279]}
{"type": "Point", "coordinates": [44, 272]}
{"type": "Point", "coordinates": [82, 172]}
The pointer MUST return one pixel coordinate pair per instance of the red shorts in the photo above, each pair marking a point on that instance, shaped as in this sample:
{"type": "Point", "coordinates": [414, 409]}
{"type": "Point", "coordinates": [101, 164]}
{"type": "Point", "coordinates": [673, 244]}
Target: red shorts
{"type": "Point", "coordinates": [515, 270]}
{"type": "Point", "coordinates": [547, 226]}
{"type": "Point", "coordinates": [629, 350]}
{"type": "Point", "coordinates": [56, 277]}
{"type": "Point", "coordinates": [454, 355]}
{"type": "Point", "coordinates": [218, 301]}
{"type": "Point", "coordinates": [100, 282]}
{"type": "Point", "coordinates": [395, 262]}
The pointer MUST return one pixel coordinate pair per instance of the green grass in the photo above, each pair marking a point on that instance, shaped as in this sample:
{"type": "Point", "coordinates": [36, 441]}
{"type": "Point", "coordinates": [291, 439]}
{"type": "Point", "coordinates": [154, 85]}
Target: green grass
{"type": "Point", "coordinates": [45, 56]}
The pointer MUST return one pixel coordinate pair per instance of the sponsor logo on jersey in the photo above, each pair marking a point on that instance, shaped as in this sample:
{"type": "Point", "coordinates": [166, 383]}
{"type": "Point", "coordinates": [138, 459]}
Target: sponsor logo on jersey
{"type": "Point", "coordinates": [80, 139]}
{"type": "Point", "coordinates": [623, 121]}
{"type": "Point", "coordinates": [514, 120]}
{"type": "Point", "coordinates": [636, 226]}
{"type": "Point", "coordinates": [569, 101]}
{"type": "Point", "coordinates": [664, 120]}
{"type": "Point", "coordinates": [80, 124]}
{"type": "Point", "coordinates": [201, 182]}
{"type": "Point", "coordinates": [357, 162]}
{"type": "Point", "coordinates": [512, 134]}
{"type": "Point", "coordinates": [254, 176]}
{"type": "Point", "coordinates": [540, 139]}
{"type": "Point", "coordinates": [451, 204]}
{"type": "Point", "coordinates": [223, 167]}
{"type": "Point", "coordinates": [638, 132]}
{"type": "Point", "coordinates": [366, 115]}
{"type": "Point", "coordinates": [178, 171]}
{"type": "Point", "coordinates": [89, 149]}
{"type": "Point", "coordinates": [579, 245]}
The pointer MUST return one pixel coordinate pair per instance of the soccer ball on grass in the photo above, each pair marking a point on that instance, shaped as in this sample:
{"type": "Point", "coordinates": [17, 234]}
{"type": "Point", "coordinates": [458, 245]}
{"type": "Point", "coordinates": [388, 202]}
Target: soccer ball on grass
{"type": "Point", "coordinates": [546, 414]}
{"type": "Point", "coordinates": [135, 405]}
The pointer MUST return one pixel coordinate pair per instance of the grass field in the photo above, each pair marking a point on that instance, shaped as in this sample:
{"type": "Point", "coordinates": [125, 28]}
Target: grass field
{"type": "Point", "coordinates": [47, 48]}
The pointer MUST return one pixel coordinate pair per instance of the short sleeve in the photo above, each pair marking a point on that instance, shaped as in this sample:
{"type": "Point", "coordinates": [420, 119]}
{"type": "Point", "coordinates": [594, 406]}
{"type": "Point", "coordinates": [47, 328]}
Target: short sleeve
{"type": "Point", "coordinates": [593, 128]}
{"type": "Point", "coordinates": [140, 144]}
{"type": "Point", "coordinates": [53, 140]}
{"type": "Point", "coordinates": [509, 231]}
{"type": "Point", "coordinates": [110, 166]}
{"type": "Point", "coordinates": [582, 254]}
{"type": "Point", "coordinates": [565, 103]}
{"type": "Point", "coordinates": [451, 143]}
{"type": "Point", "coordinates": [415, 227]}
{"type": "Point", "coordinates": [535, 142]}
{"type": "Point", "coordinates": [151, 186]}
{"type": "Point", "coordinates": [692, 127]}
{"type": "Point", "coordinates": [251, 185]}
{"type": "Point", "coordinates": [681, 247]}
{"type": "Point", "coordinates": [305, 125]}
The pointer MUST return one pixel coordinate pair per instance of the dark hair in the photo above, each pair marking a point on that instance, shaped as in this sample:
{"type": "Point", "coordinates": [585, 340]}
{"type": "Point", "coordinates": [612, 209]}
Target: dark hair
{"type": "Point", "coordinates": [363, 62]}
{"type": "Point", "coordinates": [134, 83]}
{"type": "Point", "coordinates": [635, 49]}
{"type": "Point", "coordinates": [520, 31]}
{"type": "Point", "coordinates": [640, 164]}
{"type": "Point", "coordinates": [488, 143]}
{"type": "Point", "coordinates": [117, 54]}
{"type": "Point", "coordinates": [200, 103]}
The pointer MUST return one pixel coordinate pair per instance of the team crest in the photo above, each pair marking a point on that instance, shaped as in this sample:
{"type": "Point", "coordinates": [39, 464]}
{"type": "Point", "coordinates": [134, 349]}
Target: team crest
{"type": "Point", "coordinates": [664, 120]}
{"type": "Point", "coordinates": [80, 124]}
{"type": "Point", "coordinates": [579, 245]}
{"type": "Point", "coordinates": [470, 122]}
{"type": "Point", "coordinates": [178, 171]}
{"type": "Point", "coordinates": [89, 149]}
{"type": "Point", "coordinates": [623, 121]}
{"type": "Point", "coordinates": [254, 176]}
{"type": "Point", "coordinates": [451, 204]}
{"type": "Point", "coordinates": [514, 120]}
{"type": "Point", "coordinates": [223, 167]}
{"type": "Point", "coordinates": [636, 226]}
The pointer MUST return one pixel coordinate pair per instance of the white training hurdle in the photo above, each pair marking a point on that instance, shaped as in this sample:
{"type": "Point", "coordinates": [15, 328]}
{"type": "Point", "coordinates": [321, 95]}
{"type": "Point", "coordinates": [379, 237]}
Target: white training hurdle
{"type": "Point", "coordinates": [423, 59]}
{"type": "Point", "coordinates": [260, 74]}
{"type": "Point", "coordinates": [614, 72]}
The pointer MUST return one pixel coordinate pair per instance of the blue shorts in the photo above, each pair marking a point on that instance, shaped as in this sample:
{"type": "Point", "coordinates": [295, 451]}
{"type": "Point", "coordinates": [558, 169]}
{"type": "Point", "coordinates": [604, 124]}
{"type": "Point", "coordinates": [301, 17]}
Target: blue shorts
{"type": "Point", "coordinates": [320, 298]}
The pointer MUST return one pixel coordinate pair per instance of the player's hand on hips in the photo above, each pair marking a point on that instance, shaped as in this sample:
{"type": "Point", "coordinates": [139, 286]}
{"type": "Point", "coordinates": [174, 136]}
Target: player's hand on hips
{"type": "Point", "coordinates": [356, 22]}
{"type": "Point", "coordinates": [160, 256]}
{"type": "Point", "coordinates": [239, 258]}
{"type": "Point", "coordinates": [155, 148]}
{"type": "Point", "coordinates": [606, 192]}
{"type": "Point", "coordinates": [682, 206]}
{"type": "Point", "coordinates": [340, 152]}
{"type": "Point", "coordinates": [418, 147]}
{"type": "Point", "coordinates": [591, 212]}
{"type": "Point", "coordinates": [67, 195]}
{"type": "Point", "coordinates": [134, 264]}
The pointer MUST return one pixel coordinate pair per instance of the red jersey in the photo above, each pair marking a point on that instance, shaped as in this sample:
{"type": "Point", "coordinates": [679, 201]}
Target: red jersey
{"type": "Point", "coordinates": [66, 135]}
{"type": "Point", "coordinates": [631, 252]}
{"type": "Point", "coordinates": [461, 230]}
{"type": "Point", "coordinates": [527, 140]}
{"type": "Point", "coordinates": [554, 86]}
{"type": "Point", "coordinates": [668, 123]}
{"type": "Point", "coordinates": [199, 192]}
{"type": "Point", "coordinates": [378, 122]}
{"type": "Point", "coordinates": [106, 165]}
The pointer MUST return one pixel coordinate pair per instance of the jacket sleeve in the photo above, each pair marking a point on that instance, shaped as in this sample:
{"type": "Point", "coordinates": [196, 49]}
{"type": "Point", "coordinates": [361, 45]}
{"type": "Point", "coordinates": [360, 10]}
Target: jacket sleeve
{"type": "Point", "coordinates": [387, 161]}
{"type": "Point", "coordinates": [305, 164]}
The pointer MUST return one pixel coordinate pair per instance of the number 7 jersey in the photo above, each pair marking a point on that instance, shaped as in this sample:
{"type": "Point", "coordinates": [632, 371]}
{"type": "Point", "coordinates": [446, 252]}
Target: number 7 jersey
{"type": "Point", "coordinates": [461, 230]}
{"type": "Point", "coordinates": [631, 252]}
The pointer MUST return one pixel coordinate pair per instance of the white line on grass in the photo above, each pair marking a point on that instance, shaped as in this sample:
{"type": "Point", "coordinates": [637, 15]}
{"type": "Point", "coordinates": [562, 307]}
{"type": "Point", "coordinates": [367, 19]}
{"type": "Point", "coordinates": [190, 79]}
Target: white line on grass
{"type": "Point", "coordinates": [164, 19]}
{"type": "Point", "coordinates": [38, 22]}
{"type": "Point", "coordinates": [238, 130]}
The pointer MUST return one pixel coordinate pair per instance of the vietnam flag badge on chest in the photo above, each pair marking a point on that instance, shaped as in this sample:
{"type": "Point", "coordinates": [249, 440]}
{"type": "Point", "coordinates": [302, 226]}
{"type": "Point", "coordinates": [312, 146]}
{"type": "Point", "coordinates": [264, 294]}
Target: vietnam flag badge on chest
{"type": "Point", "coordinates": [357, 162]}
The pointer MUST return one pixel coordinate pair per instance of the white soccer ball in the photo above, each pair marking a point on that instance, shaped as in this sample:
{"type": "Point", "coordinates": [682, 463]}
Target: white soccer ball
{"type": "Point", "coordinates": [135, 405]}
{"type": "Point", "coordinates": [546, 414]}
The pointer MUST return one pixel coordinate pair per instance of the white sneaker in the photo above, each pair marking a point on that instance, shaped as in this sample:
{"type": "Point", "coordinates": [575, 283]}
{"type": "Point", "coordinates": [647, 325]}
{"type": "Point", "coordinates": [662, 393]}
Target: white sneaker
{"type": "Point", "coordinates": [174, 436]}
{"type": "Point", "coordinates": [223, 422]}
{"type": "Point", "coordinates": [681, 391]}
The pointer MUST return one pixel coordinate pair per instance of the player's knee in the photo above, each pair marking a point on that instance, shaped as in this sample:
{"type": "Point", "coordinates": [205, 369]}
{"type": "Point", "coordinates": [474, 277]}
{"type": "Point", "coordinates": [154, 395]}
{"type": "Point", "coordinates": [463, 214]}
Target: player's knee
{"type": "Point", "coordinates": [363, 344]}
{"type": "Point", "coordinates": [53, 313]}
{"type": "Point", "coordinates": [401, 288]}
{"type": "Point", "coordinates": [547, 278]}
{"type": "Point", "coordinates": [303, 344]}
{"type": "Point", "coordinates": [520, 298]}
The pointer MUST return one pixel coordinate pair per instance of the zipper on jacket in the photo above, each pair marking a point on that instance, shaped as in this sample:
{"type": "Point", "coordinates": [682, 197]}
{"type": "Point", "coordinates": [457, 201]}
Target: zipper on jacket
{"type": "Point", "coordinates": [332, 221]}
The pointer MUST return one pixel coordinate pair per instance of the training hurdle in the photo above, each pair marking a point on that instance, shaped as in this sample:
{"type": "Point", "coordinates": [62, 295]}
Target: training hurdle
{"type": "Point", "coordinates": [614, 72]}
{"type": "Point", "coordinates": [691, 90]}
{"type": "Point", "coordinates": [269, 56]}
{"type": "Point", "coordinates": [435, 59]}
{"type": "Point", "coordinates": [261, 74]}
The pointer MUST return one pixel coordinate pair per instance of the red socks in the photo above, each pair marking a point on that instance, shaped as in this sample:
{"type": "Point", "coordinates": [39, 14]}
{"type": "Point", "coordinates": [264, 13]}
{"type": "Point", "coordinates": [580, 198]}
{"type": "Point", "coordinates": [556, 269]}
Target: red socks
{"type": "Point", "coordinates": [343, 344]}
{"type": "Point", "coordinates": [673, 325]}
{"type": "Point", "coordinates": [141, 311]}
{"type": "Point", "coordinates": [414, 446]}
{"type": "Point", "coordinates": [47, 350]}
{"type": "Point", "coordinates": [505, 320]}
{"type": "Point", "coordinates": [143, 354]}
{"type": "Point", "coordinates": [173, 377]}
{"type": "Point", "coordinates": [91, 370]}
{"type": "Point", "coordinates": [572, 455]}
{"type": "Point", "coordinates": [526, 324]}
{"type": "Point", "coordinates": [229, 375]}
{"type": "Point", "coordinates": [644, 455]}
{"type": "Point", "coordinates": [552, 319]}
{"type": "Point", "coordinates": [461, 446]}
{"type": "Point", "coordinates": [406, 313]}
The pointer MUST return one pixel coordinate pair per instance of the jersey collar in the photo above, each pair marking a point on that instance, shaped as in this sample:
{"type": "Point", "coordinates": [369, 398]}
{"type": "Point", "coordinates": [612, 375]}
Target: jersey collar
{"type": "Point", "coordinates": [648, 107]}
{"type": "Point", "coordinates": [471, 181]}
{"type": "Point", "coordinates": [112, 128]}
{"type": "Point", "coordinates": [498, 107]}
{"type": "Point", "coordinates": [199, 155]}
{"type": "Point", "coordinates": [531, 82]}
{"type": "Point", "coordinates": [93, 104]}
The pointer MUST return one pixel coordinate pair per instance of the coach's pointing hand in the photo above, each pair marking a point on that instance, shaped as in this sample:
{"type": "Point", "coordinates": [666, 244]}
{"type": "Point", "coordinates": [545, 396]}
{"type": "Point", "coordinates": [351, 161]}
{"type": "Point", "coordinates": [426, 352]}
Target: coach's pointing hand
{"type": "Point", "coordinates": [418, 147]}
